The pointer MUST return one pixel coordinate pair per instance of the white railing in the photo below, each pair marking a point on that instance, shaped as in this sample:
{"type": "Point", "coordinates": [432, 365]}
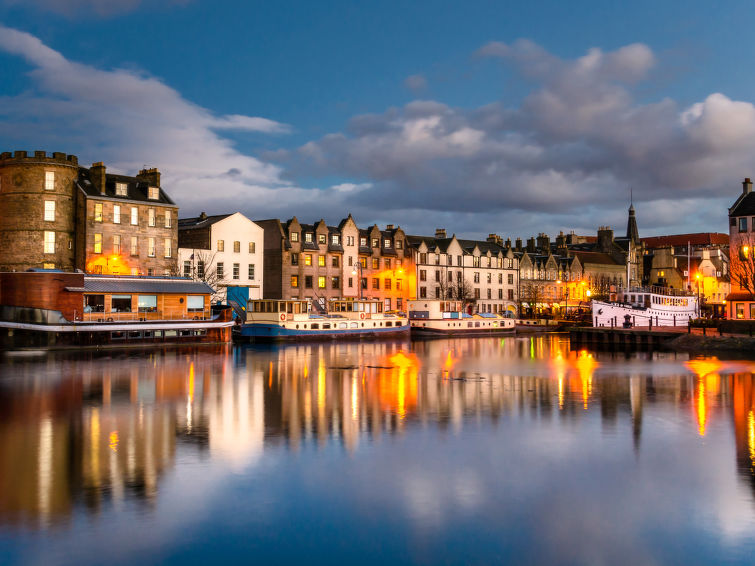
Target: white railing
{"type": "Point", "coordinates": [142, 316]}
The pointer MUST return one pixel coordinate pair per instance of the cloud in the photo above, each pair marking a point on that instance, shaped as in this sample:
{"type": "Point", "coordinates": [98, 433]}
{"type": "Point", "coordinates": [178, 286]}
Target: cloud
{"type": "Point", "coordinates": [102, 8]}
{"type": "Point", "coordinates": [577, 141]}
{"type": "Point", "coordinates": [415, 83]}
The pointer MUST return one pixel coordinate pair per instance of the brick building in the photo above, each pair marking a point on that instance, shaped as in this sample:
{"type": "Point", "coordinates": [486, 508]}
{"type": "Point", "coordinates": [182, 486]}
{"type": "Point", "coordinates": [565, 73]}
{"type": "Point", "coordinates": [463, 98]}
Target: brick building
{"type": "Point", "coordinates": [59, 215]}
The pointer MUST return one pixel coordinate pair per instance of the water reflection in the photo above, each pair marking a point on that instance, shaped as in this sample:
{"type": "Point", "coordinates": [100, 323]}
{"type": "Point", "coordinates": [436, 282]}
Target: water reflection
{"type": "Point", "coordinates": [97, 432]}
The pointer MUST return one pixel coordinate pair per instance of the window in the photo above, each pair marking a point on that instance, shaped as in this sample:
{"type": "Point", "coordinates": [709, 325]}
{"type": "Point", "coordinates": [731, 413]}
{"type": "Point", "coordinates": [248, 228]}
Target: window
{"type": "Point", "coordinates": [49, 242]}
{"type": "Point", "coordinates": [98, 212]}
{"type": "Point", "coordinates": [450, 259]}
{"type": "Point", "coordinates": [322, 239]}
{"type": "Point", "coordinates": [120, 303]}
{"type": "Point", "coordinates": [489, 294]}
{"type": "Point", "coordinates": [375, 283]}
{"type": "Point", "coordinates": [363, 282]}
{"type": "Point", "coordinates": [168, 245]}
{"type": "Point", "coordinates": [147, 303]}
{"type": "Point", "coordinates": [387, 262]}
{"type": "Point", "coordinates": [168, 219]}
{"type": "Point", "coordinates": [134, 216]}
{"type": "Point", "coordinates": [511, 278]}
{"type": "Point", "coordinates": [335, 239]}
{"type": "Point", "coordinates": [252, 247]}
{"type": "Point", "coordinates": [150, 217]}
{"type": "Point", "coordinates": [321, 282]}
{"type": "Point", "coordinates": [375, 242]}
{"type": "Point", "coordinates": [294, 236]}
{"type": "Point", "coordinates": [349, 240]}
{"type": "Point", "coordinates": [477, 293]}
{"type": "Point", "coordinates": [398, 284]}
{"type": "Point", "coordinates": [117, 244]}
{"type": "Point", "coordinates": [335, 282]}
{"type": "Point", "coordinates": [236, 270]}
{"type": "Point", "coordinates": [511, 294]}
{"type": "Point", "coordinates": [236, 247]}
{"type": "Point", "coordinates": [399, 244]}
{"type": "Point", "coordinates": [422, 275]}
{"type": "Point", "coordinates": [335, 262]}
{"type": "Point", "coordinates": [422, 293]}
{"type": "Point", "coordinates": [386, 243]}
{"type": "Point", "coordinates": [363, 262]}
{"type": "Point", "coordinates": [134, 246]}
{"type": "Point", "coordinates": [219, 269]}
{"type": "Point", "coordinates": [321, 260]}
{"type": "Point", "coordinates": [477, 276]}
{"type": "Point", "coordinates": [221, 245]}
{"type": "Point", "coordinates": [250, 272]}
{"type": "Point", "coordinates": [490, 278]}
{"type": "Point", "coordinates": [98, 243]}
{"type": "Point", "coordinates": [49, 180]}
{"type": "Point", "coordinates": [200, 269]}
{"type": "Point", "coordinates": [50, 210]}
{"type": "Point", "coordinates": [150, 247]}
{"type": "Point", "coordinates": [363, 242]}
{"type": "Point", "coordinates": [116, 214]}
{"type": "Point", "coordinates": [450, 276]}
{"type": "Point", "coordinates": [307, 259]}
{"type": "Point", "coordinates": [476, 261]}
{"type": "Point", "coordinates": [153, 193]}
{"type": "Point", "coordinates": [195, 303]}
{"type": "Point", "coordinates": [294, 259]}
{"type": "Point", "coordinates": [375, 263]}
{"type": "Point", "coordinates": [121, 189]}
{"type": "Point", "coordinates": [187, 269]}
{"type": "Point", "coordinates": [423, 258]}
{"type": "Point", "coordinates": [387, 283]}
{"type": "Point", "coordinates": [351, 282]}
{"type": "Point", "coordinates": [458, 261]}
{"type": "Point", "coordinates": [437, 275]}
{"type": "Point", "coordinates": [295, 281]}
{"type": "Point", "coordinates": [743, 226]}
{"type": "Point", "coordinates": [500, 293]}
{"type": "Point", "coordinates": [500, 278]}
{"type": "Point", "coordinates": [307, 281]}
{"type": "Point", "coordinates": [308, 237]}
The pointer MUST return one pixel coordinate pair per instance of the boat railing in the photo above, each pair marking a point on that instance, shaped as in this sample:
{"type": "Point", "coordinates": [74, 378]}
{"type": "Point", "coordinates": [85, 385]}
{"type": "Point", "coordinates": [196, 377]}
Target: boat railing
{"type": "Point", "coordinates": [105, 317]}
{"type": "Point", "coordinates": [657, 290]}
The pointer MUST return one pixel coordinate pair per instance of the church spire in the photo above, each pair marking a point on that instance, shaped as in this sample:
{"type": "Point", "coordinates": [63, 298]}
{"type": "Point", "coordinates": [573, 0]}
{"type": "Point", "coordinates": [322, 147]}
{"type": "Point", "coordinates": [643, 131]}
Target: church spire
{"type": "Point", "coordinates": [632, 233]}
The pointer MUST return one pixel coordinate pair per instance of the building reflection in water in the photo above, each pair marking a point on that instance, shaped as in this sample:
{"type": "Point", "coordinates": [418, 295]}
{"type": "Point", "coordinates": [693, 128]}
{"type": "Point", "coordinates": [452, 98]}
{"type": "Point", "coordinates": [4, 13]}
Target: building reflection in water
{"type": "Point", "coordinates": [94, 431]}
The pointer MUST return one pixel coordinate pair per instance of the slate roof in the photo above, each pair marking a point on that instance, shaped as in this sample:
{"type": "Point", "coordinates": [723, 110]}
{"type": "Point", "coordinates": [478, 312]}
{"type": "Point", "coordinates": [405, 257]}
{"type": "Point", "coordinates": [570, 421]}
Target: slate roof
{"type": "Point", "coordinates": [586, 257]}
{"type": "Point", "coordinates": [136, 189]}
{"type": "Point", "coordinates": [177, 285]}
{"type": "Point", "coordinates": [745, 207]}
{"type": "Point", "coordinates": [199, 222]}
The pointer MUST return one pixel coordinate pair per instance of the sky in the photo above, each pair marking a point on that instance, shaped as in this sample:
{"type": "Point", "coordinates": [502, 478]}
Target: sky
{"type": "Point", "coordinates": [478, 117]}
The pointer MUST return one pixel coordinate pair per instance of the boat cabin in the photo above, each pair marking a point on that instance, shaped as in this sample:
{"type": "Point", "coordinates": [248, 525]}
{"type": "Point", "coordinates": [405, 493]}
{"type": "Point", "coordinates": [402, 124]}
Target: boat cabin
{"type": "Point", "coordinates": [277, 310]}
{"type": "Point", "coordinates": [435, 309]}
{"type": "Point", "coordinates": [351, 305]}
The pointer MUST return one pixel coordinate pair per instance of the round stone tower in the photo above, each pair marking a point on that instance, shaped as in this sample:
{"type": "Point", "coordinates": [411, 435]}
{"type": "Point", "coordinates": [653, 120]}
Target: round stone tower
{"type": "Point", "coordinates": [37, 216]}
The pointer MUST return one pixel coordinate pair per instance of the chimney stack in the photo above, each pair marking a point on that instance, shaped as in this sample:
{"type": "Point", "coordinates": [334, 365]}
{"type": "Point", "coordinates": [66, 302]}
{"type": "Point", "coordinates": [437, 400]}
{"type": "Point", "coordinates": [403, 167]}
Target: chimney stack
{"type": "Point", "coordinates": [150, 176]}
{"type": "Point", "coordinates": [605, 239]}
{"type": "Point", "coordinates": [440, 233]}
{"type": "Point", "coordinates": [747, 186]}
{"type": "Point", "coordinates": [531, 245]}
{"type": "Point", "coordinates": [202, 216]}
{"type": "Point", "coordinates": [97, 174]}
{"type": "Point", "coordinates": [518, 245]}
{"type": "Point", "coordinates": [544, 242]}
{"type": "Point", "coordinates": [389, 226]}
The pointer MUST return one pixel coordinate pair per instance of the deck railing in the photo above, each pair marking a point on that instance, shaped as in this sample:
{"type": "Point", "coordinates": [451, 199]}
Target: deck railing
{"type": "Point", "coordinates": [142, 316]}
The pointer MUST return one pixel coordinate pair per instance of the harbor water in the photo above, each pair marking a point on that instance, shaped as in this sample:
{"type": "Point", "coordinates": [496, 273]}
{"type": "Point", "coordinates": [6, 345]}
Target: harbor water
{"type": "Point", "coordinates": [517, 450]}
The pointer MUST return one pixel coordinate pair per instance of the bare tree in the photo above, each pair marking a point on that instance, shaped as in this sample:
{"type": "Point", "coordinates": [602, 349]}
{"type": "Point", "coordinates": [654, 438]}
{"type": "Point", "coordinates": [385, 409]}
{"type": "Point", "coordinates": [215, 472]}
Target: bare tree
{"type": "Point", "coordinates": [204, 268]}
{"type": "Point", "coordinates": [742, 265]}
{"type": "Point", "coordinates": [532, 293]}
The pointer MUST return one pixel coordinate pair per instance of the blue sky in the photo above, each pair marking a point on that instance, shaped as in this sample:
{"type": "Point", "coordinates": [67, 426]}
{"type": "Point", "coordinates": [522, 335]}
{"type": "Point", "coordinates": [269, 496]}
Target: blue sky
{"type": "Point", "coordinates": [478, 117]}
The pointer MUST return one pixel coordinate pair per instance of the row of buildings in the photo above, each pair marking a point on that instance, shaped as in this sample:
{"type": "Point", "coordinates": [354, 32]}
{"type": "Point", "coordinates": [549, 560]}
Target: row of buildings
{"type": "Point", "coordinates": [61, 215]}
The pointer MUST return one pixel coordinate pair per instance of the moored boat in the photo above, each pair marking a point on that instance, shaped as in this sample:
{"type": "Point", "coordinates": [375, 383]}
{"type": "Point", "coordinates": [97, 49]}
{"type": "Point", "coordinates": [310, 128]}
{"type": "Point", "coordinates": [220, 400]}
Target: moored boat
{"type": "Point", "coordinates": [436, 317]}
{"type": "Point", "coordinates": [281, 320]}
{"type": "Point", "coordinates": [646, 306]}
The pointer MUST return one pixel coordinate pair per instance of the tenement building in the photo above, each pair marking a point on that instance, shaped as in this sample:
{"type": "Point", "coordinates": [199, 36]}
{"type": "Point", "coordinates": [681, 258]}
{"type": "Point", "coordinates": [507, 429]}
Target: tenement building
{"type": "Point", "coordinates": [321, 262]}
{"type": "Point", "coordinates": [483, 273]}
{"type": "Point", "coordinates": [741, 300]}
{"type": "Point", "coordinates": [225, 251]}
{"type": "Point", "coordinates": [58, 215]}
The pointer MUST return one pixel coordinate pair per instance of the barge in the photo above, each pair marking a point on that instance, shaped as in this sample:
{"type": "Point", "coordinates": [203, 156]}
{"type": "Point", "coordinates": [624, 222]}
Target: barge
{"type": "Point", "coordinates": [436, 317]}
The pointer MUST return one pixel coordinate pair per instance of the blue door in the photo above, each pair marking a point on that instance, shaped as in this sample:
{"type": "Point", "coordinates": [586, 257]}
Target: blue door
{"type": "Point", "coordinates": [238, 294]}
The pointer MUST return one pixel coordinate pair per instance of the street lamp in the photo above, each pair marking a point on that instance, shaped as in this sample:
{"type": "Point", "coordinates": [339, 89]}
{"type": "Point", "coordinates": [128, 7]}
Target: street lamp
{"type": "Point", "coordinates": [697, 278]}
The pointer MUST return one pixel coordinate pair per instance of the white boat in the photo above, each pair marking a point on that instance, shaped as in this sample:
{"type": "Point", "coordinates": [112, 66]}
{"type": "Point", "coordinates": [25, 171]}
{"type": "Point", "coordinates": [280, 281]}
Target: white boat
{"type": "Point", "coordinates": [436, 317]}
{"type": "Point", "coordinates": [280, 320]}
{"type": "Point", "coordinates": [645, 307]}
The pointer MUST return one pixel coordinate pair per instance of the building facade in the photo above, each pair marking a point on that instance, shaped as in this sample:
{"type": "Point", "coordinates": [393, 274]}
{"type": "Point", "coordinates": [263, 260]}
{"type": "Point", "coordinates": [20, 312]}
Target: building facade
{"type": "Point", "coordinates": [741, 300]}
{"type": "Point", "coordinates": [226, 251]}
{"type": "Point", "coordinates": [58, 215]}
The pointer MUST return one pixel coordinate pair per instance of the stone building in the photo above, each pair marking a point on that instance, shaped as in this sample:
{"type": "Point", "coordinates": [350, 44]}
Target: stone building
{"type": "Point", "coordinates": [483, 273]}
{"type": "Point", "coordinates": [321, 262]}
{"type": "Point", "coordinates": [226, 251]}
{"type": "Point", "coordinates": [741, 300]}
{"type": "Point", "coordinates": [58, 215]}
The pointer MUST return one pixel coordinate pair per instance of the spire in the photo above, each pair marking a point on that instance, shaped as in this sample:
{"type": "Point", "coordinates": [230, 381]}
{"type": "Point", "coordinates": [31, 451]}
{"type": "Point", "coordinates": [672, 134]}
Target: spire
{"type": "Point", "coordinates": [632, 233]}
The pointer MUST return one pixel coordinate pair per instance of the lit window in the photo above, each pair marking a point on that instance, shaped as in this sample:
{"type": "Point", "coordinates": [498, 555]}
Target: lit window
{"type": "Point", "coordinates": [251, 272]}
{"type": "Point", "coordinates": [386, 243]}
{"type": "Point", "coordinates": [236, 247]}
{"type": "Point", "coordinates": [48, 266]}
{"type": "Point", "coordinates": [116, 214]}
{"type": "Point", "coordinates": [153, 193]}
{"type": "Point", "coordinates": [308, 237]}
{"type": "Point", "coordinates": [168, 219]}
{"type": "Point", "coordinates": [363, 242]}
{"type": "Point", "coordinates": [307, 259]}
{"type": "Point", "coordinates": [98, 212]}
{"type": "Point", "coordinates": [168, 247]}
{"type": "Point", "coordinates": [399, 244]}
{"type": "Point", "coordinates": [221, 245]}
{"type": "Point", "coordinates": [252, 247]}
{"type": "Point", "coordinates": [321, 282]}
{"type": "Point", "coordinates": [321, 261]}
{"type": "Point", "coordinates": [236, 270]}
{"type": "Point", "coordinates": [375, 242]}
{"type": "Point", "coordinates": [151, 247]}
{"type": "Point", "coordinates": [375, 283]}
{"type": "Point", "coordinates": [49, 242]}
{"type": "Point", "coordinates": [294, 281]}
{"type": "Point", "coordinates": [134, 216]}
{"type": "Point", "coordinates": [49, 180]}
{"type": "Point", "coordinates": [321, 239]}
{"type": "Point", "coordinates": [50, 210]}
{"type": "Point", "coordinates": [375, 263]}
{"type": "Point", "coordinates": [335, 282]}
{"type": "Point", "coordinates": [121, 190]}
{"type": "Point", "coordinates": [98, 243]}
{"type": "Point", "coordinates": [117, 244]}
{"type": "Point", "coordinates": [150, 217]}
{"type": "Point", "coordinates": [294, 236]}
{"type": "Point", "coordinates": [387, 283]}
{"type": "Point", "coordinates": [335, 239]}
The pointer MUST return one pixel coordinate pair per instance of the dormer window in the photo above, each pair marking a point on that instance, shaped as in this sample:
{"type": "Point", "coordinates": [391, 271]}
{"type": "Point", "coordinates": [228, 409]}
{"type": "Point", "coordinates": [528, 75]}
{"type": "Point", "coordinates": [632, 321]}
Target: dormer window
{"type": "Point", "coordinates": [386, 243]}
{"type": "Point", "coordinates": [294, 236]}
{"type": "Point", "coordinates": [363, 242]}
{"type": "Point", "coordinates": [308, 237]}
{"type": "Point", "coordinates": [375, 242]}
{"type": "Point", "coordinates": [153, 193]}
{"type": "Point", "coordinates": [121, 189]}
{"type": "Point", "coordinates": [322, 239]}
{"type": "Point", "coordinates": [335, 239]}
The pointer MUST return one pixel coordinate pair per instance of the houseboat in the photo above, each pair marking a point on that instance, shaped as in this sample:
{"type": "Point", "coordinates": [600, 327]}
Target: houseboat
{"type": "Point", "coordinates": [279, 320]}
{"type": "Point", "coordinates": [53, 309]}
{"type": "Point", "coordinates": [646, 306]}
{"type": "Point", "coordinates": [435, 317]}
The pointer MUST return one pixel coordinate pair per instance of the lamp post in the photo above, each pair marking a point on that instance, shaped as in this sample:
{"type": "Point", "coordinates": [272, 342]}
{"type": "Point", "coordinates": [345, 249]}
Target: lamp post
{"type": "Point", "coordinates": [697, 279]}
{"type": "Point", "coordinates": [354, 272]}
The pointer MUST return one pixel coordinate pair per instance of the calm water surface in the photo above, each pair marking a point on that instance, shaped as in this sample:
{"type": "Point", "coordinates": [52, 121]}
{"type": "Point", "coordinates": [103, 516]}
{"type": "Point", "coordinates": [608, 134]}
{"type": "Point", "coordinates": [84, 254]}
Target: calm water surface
{"type": "Point", "coordinates": [477, 451]}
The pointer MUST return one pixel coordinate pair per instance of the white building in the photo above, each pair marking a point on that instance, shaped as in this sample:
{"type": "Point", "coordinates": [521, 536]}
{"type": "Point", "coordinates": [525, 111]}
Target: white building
{"type": "Point", "coordinates": [226, 251]}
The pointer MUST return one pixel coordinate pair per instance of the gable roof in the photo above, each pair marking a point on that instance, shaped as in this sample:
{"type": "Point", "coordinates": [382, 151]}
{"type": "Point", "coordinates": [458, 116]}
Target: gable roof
{"type": "Point", "coordinates": [744, 206]}
{"type": "Point", "coordinates": [136, 188]}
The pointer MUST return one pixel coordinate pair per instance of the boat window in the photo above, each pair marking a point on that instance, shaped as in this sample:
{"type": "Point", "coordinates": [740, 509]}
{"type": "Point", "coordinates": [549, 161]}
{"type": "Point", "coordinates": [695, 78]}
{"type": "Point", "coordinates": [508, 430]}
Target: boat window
{"type": "Point", "coordinates": [121, 303]}
{"type": "Point", "coordinates": [195, 303]}
{"type": "Point", "coordinates": [94, 303]}
{"type": "Point", "coordinates": [281, 307]}
{"type": "Point", "coordinates": [315, 326]}
{"type": "Point", "coordinates": [290, 308]}
{"type": "Point", "coordinates": [147, 303]}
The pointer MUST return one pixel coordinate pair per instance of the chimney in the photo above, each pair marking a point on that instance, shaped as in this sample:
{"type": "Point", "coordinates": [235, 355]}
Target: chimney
{"type": "Point", "coordinates": [518, 245]}
{"type": "Point", "coordinates": [508, 242]}
{"type": "Point", "coordinates": [202, 216]}
{"type": "Point", "coordinates": [531, 245]}
{"type": "Point", "coordinates": [97, 174]}
{"type": "Point", "coordinates": [150, 176]}
{"type": "Point", "coordinates": [747, 186]}
{"type": "Point", "coordinates": [440, 233]}
{"type": "Point", "coordinates": [494, 239]}
{"type": "Point", "coordinates": [544, 242]}
{"type": "Point", "coordinates": [389, 226]}
{"type": "Point", "coordinates": [605, 239]}
{"type": "Point", "coordinates": [561, 242]}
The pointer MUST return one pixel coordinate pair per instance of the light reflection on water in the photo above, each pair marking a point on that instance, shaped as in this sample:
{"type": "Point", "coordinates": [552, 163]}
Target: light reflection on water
{"type": "Point", "coordinates": [474, 451]}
